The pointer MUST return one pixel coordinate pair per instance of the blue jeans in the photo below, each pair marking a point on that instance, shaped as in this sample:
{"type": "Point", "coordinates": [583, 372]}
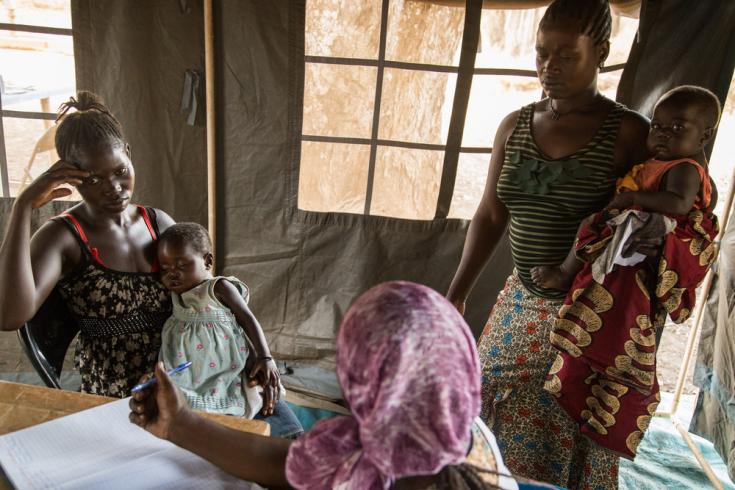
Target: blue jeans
{"type": "Point", "coordinates": [283, 422]}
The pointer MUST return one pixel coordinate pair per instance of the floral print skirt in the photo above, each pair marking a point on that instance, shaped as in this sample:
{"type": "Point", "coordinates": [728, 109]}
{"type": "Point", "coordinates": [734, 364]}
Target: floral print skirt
{"type": "Point", "coordinates": [536, 437]}
{"type": "Point", "coordinates": [112, 365]}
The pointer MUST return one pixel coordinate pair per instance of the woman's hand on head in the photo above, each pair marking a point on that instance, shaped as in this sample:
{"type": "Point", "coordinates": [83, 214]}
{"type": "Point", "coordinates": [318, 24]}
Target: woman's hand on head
{"type": "Point", "coordinates": [158, 408]}
{"type": "Point", "coordinates": [47, 186]}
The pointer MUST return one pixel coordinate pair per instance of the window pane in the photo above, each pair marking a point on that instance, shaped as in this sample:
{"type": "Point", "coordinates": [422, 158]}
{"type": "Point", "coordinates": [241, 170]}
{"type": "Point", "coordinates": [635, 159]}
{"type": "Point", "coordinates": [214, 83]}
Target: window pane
{"type": "Point", "coordinates": [47, 13]}
{"type": "Point", "coordinates": [621, 39]}
{"type": "Point", "coordinates": [608, 83]}
{"type": "Point", "coordinates": [721, 164]}
{"type": "Point", "coordinates": [333, 177]}
{"type": "Point", "coordinates": [416, 106]}
{"type": "Point", "coordinates": [339, 100]}
{"type": "Point", "coordinates": [507, 38]}
{"type": "Point", "coordinates": [493, 97]}
{"type": "Point", "coordinates": [422, 32]}
{"type": "Point", "coordinates": [406, 182]}
{"type": "Point", "coordinates": [29, 147]}
{"type": "Point", "coordinates": [37, 70]}
{"type": "Point", "coordinates": [343, 28]}
{"type": "Point", "coordinates": [469, 184]}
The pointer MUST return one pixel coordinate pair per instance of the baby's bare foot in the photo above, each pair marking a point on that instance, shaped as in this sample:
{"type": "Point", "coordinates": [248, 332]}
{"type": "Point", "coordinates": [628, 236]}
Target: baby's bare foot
{"type": "Point", "coordinates": [551, 277]}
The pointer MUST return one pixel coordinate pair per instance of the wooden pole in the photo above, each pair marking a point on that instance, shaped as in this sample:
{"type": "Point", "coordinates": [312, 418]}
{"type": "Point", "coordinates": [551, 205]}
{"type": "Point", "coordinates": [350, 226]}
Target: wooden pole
{"type": "Point", "coordinates": [698, 455]}
{"type": "Point", "coordinates": [211, 151]}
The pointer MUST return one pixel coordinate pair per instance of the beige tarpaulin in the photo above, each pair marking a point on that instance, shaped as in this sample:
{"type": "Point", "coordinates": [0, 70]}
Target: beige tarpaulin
{"type": "Point", "coordinates": [714, 373]}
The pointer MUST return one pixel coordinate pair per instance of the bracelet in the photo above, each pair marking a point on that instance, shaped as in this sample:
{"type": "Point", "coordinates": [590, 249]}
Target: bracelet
{"type": "Point", "coordinates": [265, 358]}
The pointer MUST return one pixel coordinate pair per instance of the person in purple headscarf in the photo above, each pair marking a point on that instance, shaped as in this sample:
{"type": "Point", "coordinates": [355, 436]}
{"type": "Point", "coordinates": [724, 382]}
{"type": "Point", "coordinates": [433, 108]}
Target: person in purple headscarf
{"type": "Point", "coordinates": [408, 367]}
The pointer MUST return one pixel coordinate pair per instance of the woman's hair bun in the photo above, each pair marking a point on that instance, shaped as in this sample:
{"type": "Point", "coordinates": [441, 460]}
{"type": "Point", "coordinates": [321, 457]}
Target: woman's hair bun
{"type": "Point", "coordinates": [89, 127]}
{"type": "Point", "coordinates": [84, 101]}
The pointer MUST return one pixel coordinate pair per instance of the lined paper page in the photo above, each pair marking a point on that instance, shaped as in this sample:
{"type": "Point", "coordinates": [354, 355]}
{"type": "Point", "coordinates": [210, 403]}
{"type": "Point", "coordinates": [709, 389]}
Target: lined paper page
{"type": "Point", "coordinates": [100, 448]}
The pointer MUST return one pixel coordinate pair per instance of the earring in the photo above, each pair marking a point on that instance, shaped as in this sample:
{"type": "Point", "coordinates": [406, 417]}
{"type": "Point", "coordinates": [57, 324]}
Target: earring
{"type": "Point", "coordinates": [602, 64]}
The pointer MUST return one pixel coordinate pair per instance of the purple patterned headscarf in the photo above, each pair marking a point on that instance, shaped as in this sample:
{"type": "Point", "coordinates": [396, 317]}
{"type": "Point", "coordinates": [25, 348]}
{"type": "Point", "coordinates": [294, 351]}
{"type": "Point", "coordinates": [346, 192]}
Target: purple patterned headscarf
{"type": "Point", "coordinates": [408, 368]}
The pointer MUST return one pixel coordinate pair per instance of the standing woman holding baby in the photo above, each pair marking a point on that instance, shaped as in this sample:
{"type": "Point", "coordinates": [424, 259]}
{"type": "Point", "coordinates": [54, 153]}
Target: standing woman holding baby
{"type": "Point", "coordinates": [554, 162]}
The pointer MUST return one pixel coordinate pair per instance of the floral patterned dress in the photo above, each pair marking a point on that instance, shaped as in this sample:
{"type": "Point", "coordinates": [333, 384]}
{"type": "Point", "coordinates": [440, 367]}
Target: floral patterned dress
{"type": "Point", "coordinates": [204, 331]}
{"type": "Point", "coordinates": [120, 315]}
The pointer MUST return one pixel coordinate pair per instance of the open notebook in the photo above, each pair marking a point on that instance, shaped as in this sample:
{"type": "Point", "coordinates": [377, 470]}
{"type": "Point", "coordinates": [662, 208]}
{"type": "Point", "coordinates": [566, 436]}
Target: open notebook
{"type": "Point", "coordinates": [100, 448]}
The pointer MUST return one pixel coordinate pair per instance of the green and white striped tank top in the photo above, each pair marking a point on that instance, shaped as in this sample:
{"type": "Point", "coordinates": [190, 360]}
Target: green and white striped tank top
{"type": "Point", "coordinates": [547, 199]}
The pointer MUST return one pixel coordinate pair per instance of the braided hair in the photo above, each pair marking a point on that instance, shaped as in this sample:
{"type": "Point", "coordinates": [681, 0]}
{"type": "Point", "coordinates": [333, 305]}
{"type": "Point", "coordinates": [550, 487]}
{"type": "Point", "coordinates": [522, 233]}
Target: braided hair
{"type": "Point", "coordinates": [591, 17]}
{"type": "Point", "coordinates": [91, 128]}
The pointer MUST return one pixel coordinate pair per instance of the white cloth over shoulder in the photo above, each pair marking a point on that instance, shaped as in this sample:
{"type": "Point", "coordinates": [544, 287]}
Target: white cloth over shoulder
{"type": "Point", "coordinates": [628, 223]}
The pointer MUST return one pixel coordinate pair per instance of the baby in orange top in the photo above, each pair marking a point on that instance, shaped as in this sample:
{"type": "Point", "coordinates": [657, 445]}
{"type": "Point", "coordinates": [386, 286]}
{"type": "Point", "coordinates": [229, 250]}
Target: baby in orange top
{"type": "Point", "coordinates": [674, 181]}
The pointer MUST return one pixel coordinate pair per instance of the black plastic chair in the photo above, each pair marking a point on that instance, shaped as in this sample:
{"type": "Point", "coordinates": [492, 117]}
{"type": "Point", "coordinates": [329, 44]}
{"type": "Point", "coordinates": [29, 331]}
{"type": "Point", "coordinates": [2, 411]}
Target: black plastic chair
{"type": "Point", "coordinates": [46, 338]}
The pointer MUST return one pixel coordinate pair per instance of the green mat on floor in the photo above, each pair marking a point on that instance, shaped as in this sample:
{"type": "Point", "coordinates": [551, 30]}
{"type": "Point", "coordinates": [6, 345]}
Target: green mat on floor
{"type": "Point", "coordinates": [665, 461]}
{"type": "Point", "coordinates": [309, 416]}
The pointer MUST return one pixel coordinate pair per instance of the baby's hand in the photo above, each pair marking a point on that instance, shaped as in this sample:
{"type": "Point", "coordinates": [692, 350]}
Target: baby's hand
{"type": "Point", "coordinates": [265, 372]}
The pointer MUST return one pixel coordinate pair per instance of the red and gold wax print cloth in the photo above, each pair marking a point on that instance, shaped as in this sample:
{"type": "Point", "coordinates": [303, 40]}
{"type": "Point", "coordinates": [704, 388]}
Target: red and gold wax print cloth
{"type": "Point", "coordinates": [605, 374]}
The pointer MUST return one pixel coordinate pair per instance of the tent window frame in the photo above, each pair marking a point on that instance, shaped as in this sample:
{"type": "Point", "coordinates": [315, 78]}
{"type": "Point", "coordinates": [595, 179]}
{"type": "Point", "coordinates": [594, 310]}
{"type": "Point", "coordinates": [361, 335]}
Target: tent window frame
{"type": "Point", "coordinates": [452, 149]}
{"type": "Point", "coordinates": [50, 116]}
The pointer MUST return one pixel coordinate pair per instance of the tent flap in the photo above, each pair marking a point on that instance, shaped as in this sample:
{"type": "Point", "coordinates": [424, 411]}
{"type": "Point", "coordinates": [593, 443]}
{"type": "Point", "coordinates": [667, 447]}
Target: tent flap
{"type": "Point", "coordinates": [136, 56]}
{"type": "Point", "coordinates": [714, 373]}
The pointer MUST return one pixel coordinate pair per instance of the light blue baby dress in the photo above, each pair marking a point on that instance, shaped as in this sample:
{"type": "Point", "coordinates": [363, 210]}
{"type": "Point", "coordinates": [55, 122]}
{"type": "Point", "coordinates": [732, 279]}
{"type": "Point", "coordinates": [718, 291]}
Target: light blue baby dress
{"type": "Point", "coordinates": [204, 331]}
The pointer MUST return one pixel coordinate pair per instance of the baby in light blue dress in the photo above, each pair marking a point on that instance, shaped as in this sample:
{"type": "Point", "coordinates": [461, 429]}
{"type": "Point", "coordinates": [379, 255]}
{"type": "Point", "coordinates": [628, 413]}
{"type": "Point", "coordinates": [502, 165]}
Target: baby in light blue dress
{"type": "Point", "coordinates": [206, 328]}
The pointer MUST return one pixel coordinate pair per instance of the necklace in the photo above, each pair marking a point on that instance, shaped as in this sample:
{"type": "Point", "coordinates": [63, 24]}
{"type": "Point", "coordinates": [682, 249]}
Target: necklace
{"type": "Point", "coordinates": [555, 114]}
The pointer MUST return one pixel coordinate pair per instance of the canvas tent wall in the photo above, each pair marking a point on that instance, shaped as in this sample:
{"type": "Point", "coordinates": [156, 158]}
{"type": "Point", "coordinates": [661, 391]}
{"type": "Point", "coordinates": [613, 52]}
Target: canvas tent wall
{"type": "Point", "coordinates": [305, 267]}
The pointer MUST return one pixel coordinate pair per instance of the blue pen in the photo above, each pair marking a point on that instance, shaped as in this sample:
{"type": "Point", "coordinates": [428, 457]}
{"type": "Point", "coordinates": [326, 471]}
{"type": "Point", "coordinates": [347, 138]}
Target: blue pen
{"type": "Point", "coordinates": [152, 381]}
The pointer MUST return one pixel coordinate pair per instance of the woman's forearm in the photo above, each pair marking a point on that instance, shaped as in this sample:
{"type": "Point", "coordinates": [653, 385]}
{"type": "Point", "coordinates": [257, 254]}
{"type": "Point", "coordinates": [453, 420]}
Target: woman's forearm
{"type": "Point", "coordinates": [247, 456]}
{"type": "Point", "coordinates": [29, 268]}
{"type": "Point", "coordinates": [17, 284]}
{"type": "Point", "coordinates": [482, 238]}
